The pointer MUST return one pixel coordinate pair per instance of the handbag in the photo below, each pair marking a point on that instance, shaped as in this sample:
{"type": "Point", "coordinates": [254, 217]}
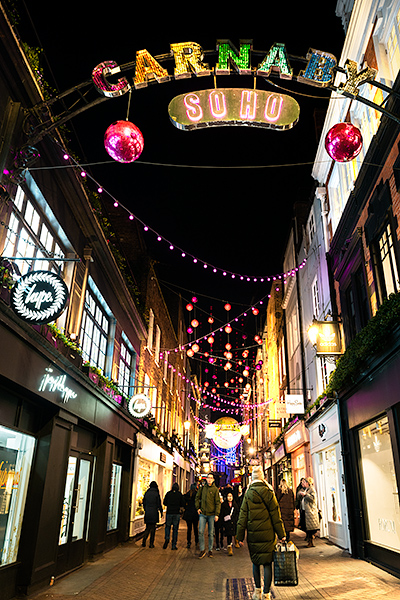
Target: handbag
{"type": "Point", "coordinates": [285, 564]}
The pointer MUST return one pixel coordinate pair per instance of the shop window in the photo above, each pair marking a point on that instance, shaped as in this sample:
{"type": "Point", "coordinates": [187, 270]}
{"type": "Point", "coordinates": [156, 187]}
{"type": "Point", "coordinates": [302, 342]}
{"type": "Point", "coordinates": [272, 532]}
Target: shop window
{"type": "Point", "coordinates": [381, 495]}
{"type": "Point", "coordinates": [94, 331]}
{"type": "Point", "coordinates": [30, 235]}
{"type": "Point", "coordinates": [146, 474]}
{"type": "Point", "coordinates": [115, 489]}
{"type": "Point", "coordinates": [16, 452]}
{"type": "Point", "coordinates": [392, 47]}
{"type": "Point", "coordinates": [387, 263]}
{"type": "Point", "coordinates": [315, 298]}
{"type": "Point", "coordinates": [126, 369]}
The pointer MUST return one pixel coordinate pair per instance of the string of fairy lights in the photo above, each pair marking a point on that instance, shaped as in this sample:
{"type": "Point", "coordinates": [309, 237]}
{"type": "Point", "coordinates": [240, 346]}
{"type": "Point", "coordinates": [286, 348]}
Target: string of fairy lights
{"type": "Point", "coordinates": [72, 162]}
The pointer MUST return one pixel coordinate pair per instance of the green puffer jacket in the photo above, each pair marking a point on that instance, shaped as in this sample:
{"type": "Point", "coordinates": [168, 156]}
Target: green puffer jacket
{"type": "Point", "coordinates": [262, 522]}
{"type": "Point", "coordinates": [208, 500]}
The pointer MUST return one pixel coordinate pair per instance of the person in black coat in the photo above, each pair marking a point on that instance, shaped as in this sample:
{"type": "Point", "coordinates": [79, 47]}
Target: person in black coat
{"type": "Point", "coordinates": [173, 500]}
{"type": "Point", "coordinates": [286, 502]}
{"type": "Point", "coordinates": [152, 508]}
{"type": "Point", "coordinates": [228, 518]}
{"type": "Point", "coordinates": [191, 516]}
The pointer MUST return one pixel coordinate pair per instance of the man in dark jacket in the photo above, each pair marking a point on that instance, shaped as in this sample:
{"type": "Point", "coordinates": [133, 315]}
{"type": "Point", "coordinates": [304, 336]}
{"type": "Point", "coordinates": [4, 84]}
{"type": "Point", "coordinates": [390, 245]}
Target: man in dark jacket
{"type": "Point", "coordinates": [174, 502]}
{"type": "Point", "coordinates": [208, 504]}
{"type": "Point", "coordinates": [261, 518]}
{"type": "Point", "coordinates": [152, 507]}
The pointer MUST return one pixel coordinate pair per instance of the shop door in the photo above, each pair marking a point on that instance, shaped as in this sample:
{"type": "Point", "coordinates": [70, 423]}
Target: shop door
{"type": "Point", "coordinates": [75, 512]}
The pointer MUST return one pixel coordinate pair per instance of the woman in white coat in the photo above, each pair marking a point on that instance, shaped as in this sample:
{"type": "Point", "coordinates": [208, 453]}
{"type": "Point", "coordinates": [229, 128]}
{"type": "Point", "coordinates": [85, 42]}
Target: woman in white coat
{"type": "Point", "coordinates": [309, 505]}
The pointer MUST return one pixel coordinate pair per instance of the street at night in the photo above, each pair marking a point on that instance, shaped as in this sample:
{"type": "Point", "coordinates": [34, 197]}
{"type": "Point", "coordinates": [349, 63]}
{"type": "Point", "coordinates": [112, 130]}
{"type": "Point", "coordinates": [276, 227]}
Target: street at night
{"type": "Point", "coordinates": [199, 301]}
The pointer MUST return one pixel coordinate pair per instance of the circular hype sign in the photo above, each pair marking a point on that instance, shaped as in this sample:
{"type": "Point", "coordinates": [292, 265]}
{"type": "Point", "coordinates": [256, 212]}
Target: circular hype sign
{"type": "Point", "coordinates": [139, 405]}
{"type": "Point", "coordinates": [39, 297]}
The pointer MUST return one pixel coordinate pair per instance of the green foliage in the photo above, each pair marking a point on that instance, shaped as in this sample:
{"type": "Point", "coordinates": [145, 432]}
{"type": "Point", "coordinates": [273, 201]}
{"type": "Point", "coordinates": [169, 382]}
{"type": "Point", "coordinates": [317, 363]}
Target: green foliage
{"type": "Point", "coordinates": [33, 56]}
{"type": "Point", "coordinates": [373, 339]}
{"type": "Point", "coordinates": [65, 339]}
{"type": "Point", "coordinates": [6, 279]}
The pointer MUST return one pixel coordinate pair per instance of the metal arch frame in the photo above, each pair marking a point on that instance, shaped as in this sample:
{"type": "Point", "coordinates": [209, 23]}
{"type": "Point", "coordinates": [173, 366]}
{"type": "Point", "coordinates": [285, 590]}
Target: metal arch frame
{"type": "Point", "coordinates": [42, 130]}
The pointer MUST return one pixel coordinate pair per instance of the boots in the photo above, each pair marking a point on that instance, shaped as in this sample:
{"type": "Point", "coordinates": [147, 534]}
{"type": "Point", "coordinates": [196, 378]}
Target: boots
{"type": "Point", "coordinates": [257, 594]}
{"type": "Point", "coordinates": [266, 596]}
{"type": "Point", "coordinates": [230, 551]}
{"type": "Point", "coordinates": [311, 542]}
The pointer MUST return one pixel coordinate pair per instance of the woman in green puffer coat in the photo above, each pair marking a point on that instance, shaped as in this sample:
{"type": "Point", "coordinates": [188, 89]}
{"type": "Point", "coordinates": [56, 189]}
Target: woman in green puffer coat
{"type": "Point", "coordinates": [260, 516]}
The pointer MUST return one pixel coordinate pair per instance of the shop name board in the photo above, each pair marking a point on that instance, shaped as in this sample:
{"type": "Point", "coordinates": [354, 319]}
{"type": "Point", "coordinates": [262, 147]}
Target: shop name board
{"type": "Point", "coordinates": [39, 297]}
{"type": "Point", "coordinates": [188, 61]}
{"type": "Point", "coordinates": [294, 404]}
{"type": "Point", "coordinates": [55, 384]}
{"type": "Point", "coordinates": [233, 106]}
{"type": "Point", "coordinates": [139, 406]}
{"type": "Point", "coordinates": [328, 337]}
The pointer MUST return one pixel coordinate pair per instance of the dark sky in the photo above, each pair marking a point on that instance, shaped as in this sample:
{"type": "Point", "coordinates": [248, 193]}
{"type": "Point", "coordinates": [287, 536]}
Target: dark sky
{"type": "Point", "coordinates": [234, 218]}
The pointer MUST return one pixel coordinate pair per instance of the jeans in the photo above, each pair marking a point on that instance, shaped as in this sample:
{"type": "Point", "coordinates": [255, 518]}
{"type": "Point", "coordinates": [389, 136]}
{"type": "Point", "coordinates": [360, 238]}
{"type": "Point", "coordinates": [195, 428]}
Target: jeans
{"type": "Point", "coordinates": [210, 519]}
{"type": "Point", "coordinates": [172, 521]}
{"type": "Point", "coordinates": [267, 576]}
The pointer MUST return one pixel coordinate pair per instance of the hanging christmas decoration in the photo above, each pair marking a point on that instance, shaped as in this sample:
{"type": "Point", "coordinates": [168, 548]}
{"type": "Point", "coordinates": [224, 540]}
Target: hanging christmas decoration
{"type": "Point", "coordinates": [343, 142]}
{"type": "Point", "coordinates": [124, 141]}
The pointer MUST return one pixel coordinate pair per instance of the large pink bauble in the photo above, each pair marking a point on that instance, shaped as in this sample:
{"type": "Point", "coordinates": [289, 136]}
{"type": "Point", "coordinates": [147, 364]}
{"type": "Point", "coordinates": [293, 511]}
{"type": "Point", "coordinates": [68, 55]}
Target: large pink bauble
{"type": "Point", "coordinates": [343, 142]}
{"type": "Point", "coordinates": [123, 141]}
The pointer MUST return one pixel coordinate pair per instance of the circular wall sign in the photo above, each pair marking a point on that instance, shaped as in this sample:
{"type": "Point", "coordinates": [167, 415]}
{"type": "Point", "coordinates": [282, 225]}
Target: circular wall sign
{"type": "Point", "coordinates": [139, 405]}
{"type": "Point", "coordinates": [39, 297]}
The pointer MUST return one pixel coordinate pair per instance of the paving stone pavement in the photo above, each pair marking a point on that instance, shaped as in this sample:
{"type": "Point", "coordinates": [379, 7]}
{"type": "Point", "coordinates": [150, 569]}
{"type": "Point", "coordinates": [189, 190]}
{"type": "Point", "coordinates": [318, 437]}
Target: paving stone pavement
{"type": "Point", "coordinates": [131, 572]}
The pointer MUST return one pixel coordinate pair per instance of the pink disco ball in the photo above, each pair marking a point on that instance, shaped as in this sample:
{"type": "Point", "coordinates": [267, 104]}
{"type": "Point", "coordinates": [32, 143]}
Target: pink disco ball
{"type": "Point", "coordinates": [123, 141]}
{"type": "Point", "coordinates": [343, 142]}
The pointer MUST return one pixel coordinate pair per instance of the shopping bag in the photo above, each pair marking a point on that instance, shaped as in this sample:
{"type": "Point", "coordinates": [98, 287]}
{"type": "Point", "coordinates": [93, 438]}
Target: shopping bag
{"type": "Point", "coordinates": [285, 564]}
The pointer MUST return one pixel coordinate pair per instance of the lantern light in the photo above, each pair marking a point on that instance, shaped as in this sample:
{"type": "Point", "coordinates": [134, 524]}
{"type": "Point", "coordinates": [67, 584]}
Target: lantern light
{"type": "Point", "coordinates": [194, 323]}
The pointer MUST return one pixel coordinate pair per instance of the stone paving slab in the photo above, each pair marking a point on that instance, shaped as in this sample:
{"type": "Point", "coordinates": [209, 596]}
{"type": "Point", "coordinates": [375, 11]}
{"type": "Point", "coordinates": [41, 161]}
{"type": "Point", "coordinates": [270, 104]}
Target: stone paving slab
{"type": "Point", "coordinates": [131, 572]}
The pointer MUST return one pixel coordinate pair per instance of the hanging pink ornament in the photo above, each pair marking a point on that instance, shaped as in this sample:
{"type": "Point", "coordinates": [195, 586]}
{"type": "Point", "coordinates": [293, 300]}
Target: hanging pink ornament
{"type": "Point", "coordinates": [227, 307]}
{"type": "Point", "coordinates": [190, 352]}
{"type": "Point", "coordinates": [194, 323]}
{"type": "Point", "coordinates": [343, 142]}
{"type": "Point", "coordinates": [123, 141]}
{"type": "Point", "coordinates": [210, 340]}
{"type": "Point", "coordinates": [228, 329]}
{"type": "Point", "coordinates": [210, 320]}
{"type": "Point", "coordinates": [189, 307]}
{"type": "Point", "coordinates": [195, 347]}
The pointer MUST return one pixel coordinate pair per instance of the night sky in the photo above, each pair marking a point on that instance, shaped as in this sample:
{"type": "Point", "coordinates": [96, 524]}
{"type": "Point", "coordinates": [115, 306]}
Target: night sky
{"type": "Point", "coordinates": [224, 195]}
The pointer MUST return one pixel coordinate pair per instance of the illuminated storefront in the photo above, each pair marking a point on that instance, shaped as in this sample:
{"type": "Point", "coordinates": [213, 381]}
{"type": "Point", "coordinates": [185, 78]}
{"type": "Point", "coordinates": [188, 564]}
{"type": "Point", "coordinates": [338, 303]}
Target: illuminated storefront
{"type": "Point", "coordinates": [298, 448]}
{"type": "Point", "coordinates": [327, 461]}
{"type": "Point", "coordinates": [152, 463]}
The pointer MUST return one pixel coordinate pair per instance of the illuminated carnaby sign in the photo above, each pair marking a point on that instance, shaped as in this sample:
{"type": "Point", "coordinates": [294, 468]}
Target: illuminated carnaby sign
{"type": "Point", "coordinates": [39, 297]}
{"type": "Point", "coordinates": [188, 58]}
{"type": "Point", "coordinates": [226, 106]}
{"type": "Point", "coordinates": [139, 405]}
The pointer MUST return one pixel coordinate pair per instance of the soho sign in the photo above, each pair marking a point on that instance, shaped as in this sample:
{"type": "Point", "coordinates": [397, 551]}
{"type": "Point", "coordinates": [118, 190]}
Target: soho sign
{"type": "Point", "coordinates": [226, 106]}
{"type": "Point", "coordinates": [39, 297]}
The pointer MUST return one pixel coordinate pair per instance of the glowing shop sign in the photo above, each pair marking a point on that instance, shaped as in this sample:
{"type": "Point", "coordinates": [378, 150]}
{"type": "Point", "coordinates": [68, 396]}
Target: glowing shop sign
{"type": "Point", "coordinates": [188, 62]}
{"type": "Point", "coordinates": [328, 338]}
{"type": "Point", "coordinates": [233, 106]}
{"type": "Point", "coordinates": [139, 405]}
{"type": "Point", "coordinates": [39, 297]}
{"type": "Point", "coordinates": [55, 384]}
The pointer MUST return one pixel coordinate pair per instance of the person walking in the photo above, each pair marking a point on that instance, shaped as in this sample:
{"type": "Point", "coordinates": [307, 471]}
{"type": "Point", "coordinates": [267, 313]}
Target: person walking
{"type": "Point", "coordinates": [208, 505]}
{"type": "Point", "coordinates": [152, 508]}
{"type": "Point", "coordinates": [261, 518]}
{"type": "Point", "coordinates": [238, 495]}
{"type": "Point", "coordinates": [218, 527]}
{"type": "Point", "coordinates": [310, 507]}
{"type": "Point", "coordinates": [191, 516]}
{"type": "Point", "coordinates": [285, 498]}
{"type": "Point", "coordinates": [173, 500]}
{"type": "Point", "coordinates": [299, 506]}
{"type": "Point", "coordinates": [228, 519]}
